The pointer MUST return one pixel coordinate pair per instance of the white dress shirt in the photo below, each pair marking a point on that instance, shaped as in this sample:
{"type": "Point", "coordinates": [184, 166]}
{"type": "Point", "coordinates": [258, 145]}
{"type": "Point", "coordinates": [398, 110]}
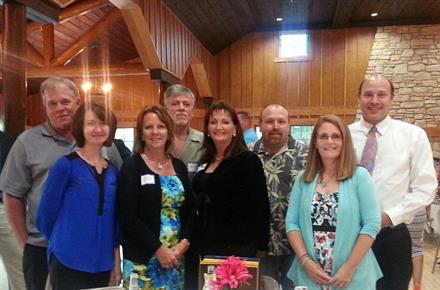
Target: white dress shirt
{"type": "Point", "coordinates": [404, 172]}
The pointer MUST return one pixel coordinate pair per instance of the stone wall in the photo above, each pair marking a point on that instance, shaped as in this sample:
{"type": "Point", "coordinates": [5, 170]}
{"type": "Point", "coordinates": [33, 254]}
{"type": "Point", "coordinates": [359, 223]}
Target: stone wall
{"type": "Point", "coordinates": [410, 57]}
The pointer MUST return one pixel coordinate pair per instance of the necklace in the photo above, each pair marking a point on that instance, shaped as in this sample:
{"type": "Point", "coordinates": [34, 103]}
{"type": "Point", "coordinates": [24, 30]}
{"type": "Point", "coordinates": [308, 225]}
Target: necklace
{"type": "Point", "coordinates": [158, 164]}
{"type": "Point", "coordinates": [323, 183]}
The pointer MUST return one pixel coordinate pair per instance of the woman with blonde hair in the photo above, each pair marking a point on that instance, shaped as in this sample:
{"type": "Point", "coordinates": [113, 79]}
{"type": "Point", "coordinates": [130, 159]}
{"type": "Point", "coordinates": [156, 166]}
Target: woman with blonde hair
{"type": "Point", "coordinates": [333, 215]}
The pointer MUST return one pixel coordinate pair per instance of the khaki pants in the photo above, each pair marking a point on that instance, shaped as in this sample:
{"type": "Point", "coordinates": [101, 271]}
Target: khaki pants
{"type": "Point", "coordinates": [10, 253]}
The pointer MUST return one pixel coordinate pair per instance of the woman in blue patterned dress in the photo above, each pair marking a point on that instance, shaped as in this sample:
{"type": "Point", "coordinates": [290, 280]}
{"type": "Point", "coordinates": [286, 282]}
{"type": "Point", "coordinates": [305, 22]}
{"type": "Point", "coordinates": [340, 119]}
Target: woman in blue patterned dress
{"type": "Point", "coordinates": [156, 207]}
{"type": "Point", "coordinates": [333, 215]}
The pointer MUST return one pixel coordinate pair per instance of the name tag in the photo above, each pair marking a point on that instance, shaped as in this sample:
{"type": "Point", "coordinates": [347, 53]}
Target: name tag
{"type": "Point", "coordinates": [147, 179]}
{"type": "Point", "coordinates": [192, 167]}
{"type": "Point", "coordinates": [201, 167]}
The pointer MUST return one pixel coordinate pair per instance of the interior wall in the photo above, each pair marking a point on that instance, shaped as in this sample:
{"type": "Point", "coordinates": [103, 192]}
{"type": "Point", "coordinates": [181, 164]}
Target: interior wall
{"type": "Point", "coordinates": [174, 43]}
{"type": "Point", "coordinates": [250, 78]}
{"type": "Point", "coordinates": [410, 57]}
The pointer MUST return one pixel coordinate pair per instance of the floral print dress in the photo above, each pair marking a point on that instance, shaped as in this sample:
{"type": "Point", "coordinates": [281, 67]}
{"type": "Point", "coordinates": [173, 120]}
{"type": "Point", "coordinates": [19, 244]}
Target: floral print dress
{"type": "Point", "coordinates": [152, 276]}
{"type": "Point", "coordinates": [324, 215]}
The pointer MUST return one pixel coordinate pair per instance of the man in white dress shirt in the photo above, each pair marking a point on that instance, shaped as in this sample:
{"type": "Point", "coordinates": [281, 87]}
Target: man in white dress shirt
{"type": "Point", "coordinates": [403, 173]}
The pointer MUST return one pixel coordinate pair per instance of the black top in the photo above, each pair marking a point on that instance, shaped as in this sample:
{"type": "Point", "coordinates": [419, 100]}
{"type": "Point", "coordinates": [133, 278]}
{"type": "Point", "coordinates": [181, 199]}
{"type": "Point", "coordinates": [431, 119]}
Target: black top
{"type": "Point", "coordinates": [234, 207]}
{"type": "Point", "coordinates": [140, 206]}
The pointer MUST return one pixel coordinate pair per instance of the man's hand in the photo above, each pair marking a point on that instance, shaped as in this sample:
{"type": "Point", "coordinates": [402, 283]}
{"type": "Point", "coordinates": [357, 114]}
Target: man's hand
{"type": "Point", "coordinates": [385, 221]}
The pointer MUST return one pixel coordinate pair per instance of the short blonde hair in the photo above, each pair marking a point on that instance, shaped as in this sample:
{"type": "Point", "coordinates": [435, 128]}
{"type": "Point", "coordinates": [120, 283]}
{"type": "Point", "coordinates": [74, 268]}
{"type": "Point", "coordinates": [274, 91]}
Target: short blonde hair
{"type": "Point", "coordinates": [347, 160]}
{"type": "Point", "coordinates": [56, 82]}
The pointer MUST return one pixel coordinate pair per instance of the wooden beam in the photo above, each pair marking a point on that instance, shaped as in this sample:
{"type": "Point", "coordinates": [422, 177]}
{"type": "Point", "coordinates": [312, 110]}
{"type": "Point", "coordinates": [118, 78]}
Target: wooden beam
{"type": "Point", "coordinates": [344, 11]}
{"type": "Point", "coordinates": [13, 97]}
{"type": "Point", "coordinates": [91, 71]}
{"type": "Point", "coordinates": [33, 55]}
{"type": "Point", "coordinates": [80, 8]}
{"type": "Point", "coordinates": [138, 27]}
{"type": "Point", "coordinates": [41, 11]}
{"type": "Point", "coordinates": [48, 43]}
{"type": "Point", "coordinates": [163, 75]}
{"type": "Point", "coordinates": [200, 77]}
{"type": "Point", "coordinates": [100, 27]}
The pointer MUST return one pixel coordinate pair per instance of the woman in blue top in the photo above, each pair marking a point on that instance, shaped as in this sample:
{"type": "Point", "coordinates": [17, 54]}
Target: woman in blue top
{"type": "Point", "coordinates": [77, 209]}
{"type": "Point", "coordinates": [333, 215]}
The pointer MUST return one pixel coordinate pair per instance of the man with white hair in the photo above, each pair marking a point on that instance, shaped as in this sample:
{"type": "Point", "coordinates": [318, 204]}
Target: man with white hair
{"type": "Point", "coordinates": [27, 167]}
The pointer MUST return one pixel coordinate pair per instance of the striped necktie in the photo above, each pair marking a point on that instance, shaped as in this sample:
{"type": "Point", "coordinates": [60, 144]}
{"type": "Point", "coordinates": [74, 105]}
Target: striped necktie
{"type": "Point", "coordinates": [370, 150]}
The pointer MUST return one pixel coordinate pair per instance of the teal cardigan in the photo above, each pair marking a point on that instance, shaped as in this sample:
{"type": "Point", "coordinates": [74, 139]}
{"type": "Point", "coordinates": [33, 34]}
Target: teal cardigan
{"type": "Point", "coordinates": [358, 213]}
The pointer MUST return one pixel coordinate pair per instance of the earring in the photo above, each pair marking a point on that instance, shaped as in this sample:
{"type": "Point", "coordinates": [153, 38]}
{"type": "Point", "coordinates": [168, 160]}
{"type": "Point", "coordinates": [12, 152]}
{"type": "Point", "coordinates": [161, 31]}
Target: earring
{"type": "Point", "coordinates": [234, 134]}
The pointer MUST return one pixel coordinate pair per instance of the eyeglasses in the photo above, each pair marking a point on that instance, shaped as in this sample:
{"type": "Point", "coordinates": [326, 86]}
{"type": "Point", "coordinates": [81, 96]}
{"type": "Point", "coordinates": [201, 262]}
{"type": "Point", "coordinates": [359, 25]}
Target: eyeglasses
{"type": "Point", "coordinates": [335, 137]}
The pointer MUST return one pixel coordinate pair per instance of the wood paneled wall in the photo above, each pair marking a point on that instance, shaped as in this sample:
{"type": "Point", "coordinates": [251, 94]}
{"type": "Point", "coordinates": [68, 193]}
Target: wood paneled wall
{"type": "Point", "coordinates": [128, 96]}
{"type": "Point", "coordinates": [246, 73]}
{"type": "Point", "coordinates": [250, 78]}
{"type": "Point", "coordinates": [175, 44]}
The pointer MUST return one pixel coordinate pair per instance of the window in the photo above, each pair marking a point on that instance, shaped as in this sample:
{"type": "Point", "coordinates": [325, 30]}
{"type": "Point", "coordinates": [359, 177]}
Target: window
{"type": "Point", "coordinates": [294, 46]}
{"type": "Point", "coordinates": [126, 135]}
{"type": "Point", "coordinates": [302, 133]}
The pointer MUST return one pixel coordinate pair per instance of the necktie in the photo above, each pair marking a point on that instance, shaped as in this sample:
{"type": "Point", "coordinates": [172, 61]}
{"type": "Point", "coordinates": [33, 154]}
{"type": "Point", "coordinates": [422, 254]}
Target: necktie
{"type": "Point", "coordinates": [370, 150]}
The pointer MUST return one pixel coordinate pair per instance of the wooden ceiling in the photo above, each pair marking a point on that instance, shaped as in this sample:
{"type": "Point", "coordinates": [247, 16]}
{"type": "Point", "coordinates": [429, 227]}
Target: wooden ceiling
{"type": "Point", "coordinates": [218, 23]}
{"type": "Point", "coordinates": [89, 33]}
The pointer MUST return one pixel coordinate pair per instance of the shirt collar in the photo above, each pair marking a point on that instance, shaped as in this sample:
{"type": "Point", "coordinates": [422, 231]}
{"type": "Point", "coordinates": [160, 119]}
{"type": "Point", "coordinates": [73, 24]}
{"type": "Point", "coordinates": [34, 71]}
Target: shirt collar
{"type": "Point", "coordinates": [193, 136]}
{"type": "Point", "coordinates": [381, 127]}
{"type": "Point", "coordinates": [48, 131]}
{"type": "Point", "coordinates": [262, 151]}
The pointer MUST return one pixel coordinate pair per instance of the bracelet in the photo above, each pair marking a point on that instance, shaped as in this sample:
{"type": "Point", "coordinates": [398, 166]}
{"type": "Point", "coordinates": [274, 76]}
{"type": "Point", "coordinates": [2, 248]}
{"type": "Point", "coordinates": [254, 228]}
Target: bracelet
{"type": "Point", "coordinates": [305, 261]}
{"type": "Point", "coordinates": [302, 256]}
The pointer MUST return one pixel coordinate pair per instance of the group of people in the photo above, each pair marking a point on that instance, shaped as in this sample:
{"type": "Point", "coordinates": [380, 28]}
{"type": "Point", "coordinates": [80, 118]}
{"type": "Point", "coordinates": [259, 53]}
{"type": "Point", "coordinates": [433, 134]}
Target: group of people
{"type": "Point", "coordinates": [329, 216]}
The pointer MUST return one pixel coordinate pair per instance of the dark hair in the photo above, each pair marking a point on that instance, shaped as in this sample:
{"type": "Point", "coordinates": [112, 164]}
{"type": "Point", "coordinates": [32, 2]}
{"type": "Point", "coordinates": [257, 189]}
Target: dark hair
{"type": "Point", "coordinates": [237, 144]}
{"type": "Point", "coordinates": [164, 117]}
{"type": "Point", "coordinates": [104, 115]}
{"type": "Point", "coordinates": [375, 77]}
{"type": "Point", "coordinates": [347, 160]}
{"type": "Point", "coordinates": [244, 114]}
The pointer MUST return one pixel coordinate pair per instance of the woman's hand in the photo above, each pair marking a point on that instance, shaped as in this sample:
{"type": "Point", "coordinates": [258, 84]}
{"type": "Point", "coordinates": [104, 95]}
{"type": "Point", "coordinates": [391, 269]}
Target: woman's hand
{"type": "Point", "coordinates": [316, 273]}
{"type": "Point", "coordinates": [180, 249]}
{"type": "Point", "coordinates": [342, 277]}
{"type": "Point", "coordinates": [115, 276]}
{"type": "Point", "coordinates": [167, 257]}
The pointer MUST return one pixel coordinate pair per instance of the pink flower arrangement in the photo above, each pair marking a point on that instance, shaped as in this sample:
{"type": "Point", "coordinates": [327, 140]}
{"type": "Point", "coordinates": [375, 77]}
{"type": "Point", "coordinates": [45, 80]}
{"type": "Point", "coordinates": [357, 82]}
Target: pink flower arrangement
{"type": "Point", "coordinates": [231, 273]}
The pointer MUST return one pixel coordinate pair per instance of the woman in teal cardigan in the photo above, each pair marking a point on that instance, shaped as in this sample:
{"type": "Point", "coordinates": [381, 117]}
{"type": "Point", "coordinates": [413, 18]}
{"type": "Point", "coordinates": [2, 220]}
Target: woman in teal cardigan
{"type": "Point", "coordinates": [333, 215]}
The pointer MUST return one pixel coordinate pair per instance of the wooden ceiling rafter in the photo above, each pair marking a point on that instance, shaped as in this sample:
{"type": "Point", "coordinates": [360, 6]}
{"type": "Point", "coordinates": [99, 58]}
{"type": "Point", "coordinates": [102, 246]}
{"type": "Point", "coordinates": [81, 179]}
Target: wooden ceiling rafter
{"type": "Point", "coordinates": [140, 34]}
{"type": "Point", "coordinates": [200, 77]}
{"type": "Point", "coordinates": [69, 12]}
{"type": "Point", "coordinates": [33, 55]}
{"type": "Point", "coordinates": [80, 8]}
{"type": "Point", "coordinates": [100, 27]}
{"type": "Point", "coordinates": [92, 71]}
{"type": "Point", "coordinates": [48, 43]}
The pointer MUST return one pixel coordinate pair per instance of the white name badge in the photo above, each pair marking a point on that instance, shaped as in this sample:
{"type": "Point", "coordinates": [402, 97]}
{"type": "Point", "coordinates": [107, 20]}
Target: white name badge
{"type": "Point", "coordinates": [147, 179]}
{"type": "Point", "coordinates": [192, 167]}
{"type": "Point", "coordinates": [201, 167]}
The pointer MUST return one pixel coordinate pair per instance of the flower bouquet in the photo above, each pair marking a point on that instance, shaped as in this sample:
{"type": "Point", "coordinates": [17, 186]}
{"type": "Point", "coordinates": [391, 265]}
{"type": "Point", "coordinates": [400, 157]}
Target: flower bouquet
{"type": "Point", "coordinates": [230, 274]}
